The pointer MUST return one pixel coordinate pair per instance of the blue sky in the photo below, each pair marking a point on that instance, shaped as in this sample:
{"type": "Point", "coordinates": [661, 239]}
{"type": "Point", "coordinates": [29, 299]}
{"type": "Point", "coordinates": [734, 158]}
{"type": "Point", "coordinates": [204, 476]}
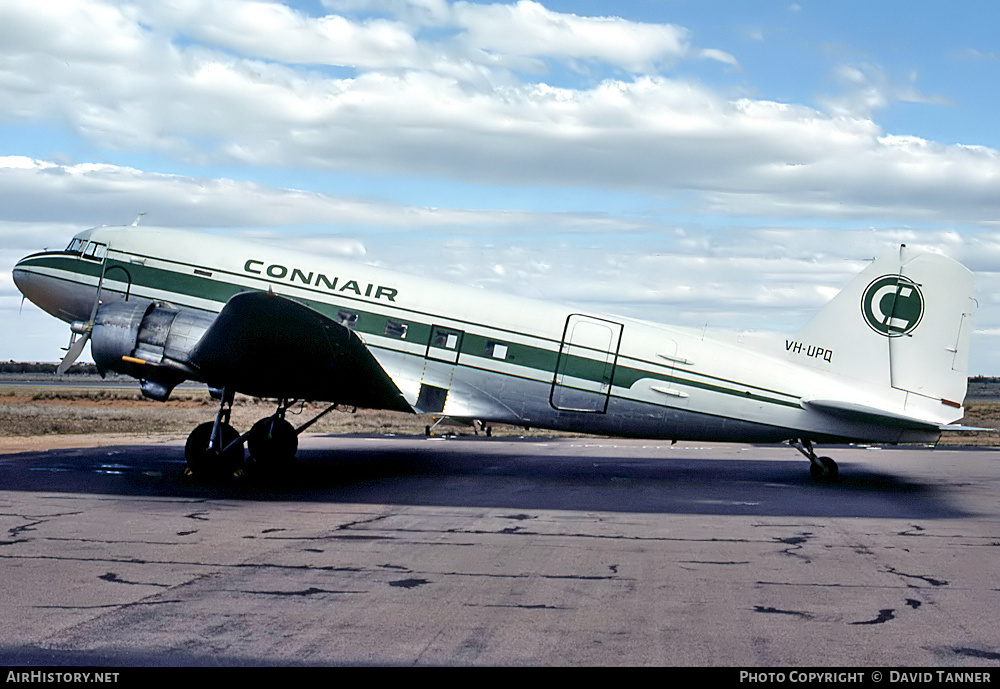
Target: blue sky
{"type": "Point", "coordinates": [723, 163]}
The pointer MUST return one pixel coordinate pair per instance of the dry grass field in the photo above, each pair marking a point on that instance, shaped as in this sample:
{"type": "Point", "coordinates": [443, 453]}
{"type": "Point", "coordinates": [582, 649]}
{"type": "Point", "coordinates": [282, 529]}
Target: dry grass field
{"type": "Point", "coordinates": [46, 411]}
{"type": "Point", "coordinates": [981, 414]}
{"type": "Point", "coordinates": [50, 416]}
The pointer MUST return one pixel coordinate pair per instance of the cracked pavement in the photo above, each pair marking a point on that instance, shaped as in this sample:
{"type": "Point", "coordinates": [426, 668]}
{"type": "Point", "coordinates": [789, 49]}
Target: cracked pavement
{"type": "Point", "coordinates": [503, 552]}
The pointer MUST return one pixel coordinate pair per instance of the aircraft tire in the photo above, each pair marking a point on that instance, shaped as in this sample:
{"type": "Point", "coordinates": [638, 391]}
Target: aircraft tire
{"type": "Point", "coordinates": [824, 470]}
{"type": "Point", "coordinates": [272, 442]}
{"type": "Point", "coordinates": [205, 463]}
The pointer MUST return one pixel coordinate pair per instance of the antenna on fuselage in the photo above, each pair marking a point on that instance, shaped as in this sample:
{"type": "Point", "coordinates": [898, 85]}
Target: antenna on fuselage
{"type": "Point", "coordinates": [135, 223]}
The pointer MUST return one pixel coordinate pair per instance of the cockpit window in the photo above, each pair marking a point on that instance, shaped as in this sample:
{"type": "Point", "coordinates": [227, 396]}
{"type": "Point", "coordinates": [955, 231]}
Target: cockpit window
{"type": "Point", "coordinates": [76, 245]}
{"type": "Point", "coordinates": [95, 251]}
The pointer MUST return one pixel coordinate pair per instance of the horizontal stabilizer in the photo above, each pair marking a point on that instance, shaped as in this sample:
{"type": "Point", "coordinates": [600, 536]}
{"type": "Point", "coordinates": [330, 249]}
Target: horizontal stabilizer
{"type": "Point", "coordinates": [861, 413]}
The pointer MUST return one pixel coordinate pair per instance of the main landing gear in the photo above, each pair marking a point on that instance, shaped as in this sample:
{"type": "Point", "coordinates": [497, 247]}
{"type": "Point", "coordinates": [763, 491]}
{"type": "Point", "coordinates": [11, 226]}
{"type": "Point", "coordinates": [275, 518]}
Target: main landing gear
{"type": "Point", "coordinates": [821, 469]}
{"type": "Point", "coordinates": [215, 449]}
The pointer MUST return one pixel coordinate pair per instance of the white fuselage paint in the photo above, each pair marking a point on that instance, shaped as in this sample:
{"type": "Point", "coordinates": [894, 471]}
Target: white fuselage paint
{"type": "Point", "coordinates": [500, 362]}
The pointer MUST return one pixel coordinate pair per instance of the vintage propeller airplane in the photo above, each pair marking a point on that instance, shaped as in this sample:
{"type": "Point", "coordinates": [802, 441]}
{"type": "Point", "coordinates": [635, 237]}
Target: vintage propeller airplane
{"type": "Point", "coordinates": [885, 361]}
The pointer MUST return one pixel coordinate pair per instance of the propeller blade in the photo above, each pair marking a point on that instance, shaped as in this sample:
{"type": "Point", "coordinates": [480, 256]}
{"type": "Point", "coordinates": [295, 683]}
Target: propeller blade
{"type": "Point", "coordinates": [73, 353]}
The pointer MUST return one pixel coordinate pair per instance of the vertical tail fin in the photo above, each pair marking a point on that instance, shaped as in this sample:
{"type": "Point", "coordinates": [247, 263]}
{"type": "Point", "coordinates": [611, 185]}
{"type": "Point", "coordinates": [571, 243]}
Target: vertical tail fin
{"type": "Point", "coordinates": [904, 323]}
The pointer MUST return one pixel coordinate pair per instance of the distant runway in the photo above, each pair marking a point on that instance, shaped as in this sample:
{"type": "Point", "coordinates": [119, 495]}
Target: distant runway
{"type": "Point", "coordinates": [80, 382]}
{"type": "Point", "coordinates": [475, 551]}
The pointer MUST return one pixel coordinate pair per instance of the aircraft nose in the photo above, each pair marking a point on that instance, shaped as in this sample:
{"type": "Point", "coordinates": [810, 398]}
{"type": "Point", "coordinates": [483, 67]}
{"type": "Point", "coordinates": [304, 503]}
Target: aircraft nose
{"type": "Point", "coordinates": [22, 277]}
{"type": "Point", "coordinates": [62, 298]}
{"type": "Point", "coordinates": [28, 281]}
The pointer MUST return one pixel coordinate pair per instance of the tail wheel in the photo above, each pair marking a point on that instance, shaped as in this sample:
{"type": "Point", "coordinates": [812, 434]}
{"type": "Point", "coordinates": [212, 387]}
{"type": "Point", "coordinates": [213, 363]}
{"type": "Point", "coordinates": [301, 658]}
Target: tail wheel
{"type": "Point", "coordinates": [821, 469]}
{"type": "Point", "coordinates": [272, 442]}
{"type": "Point", "coordinates": [824, 470]}
{"type": "Point", "coordinates": [213, 462]}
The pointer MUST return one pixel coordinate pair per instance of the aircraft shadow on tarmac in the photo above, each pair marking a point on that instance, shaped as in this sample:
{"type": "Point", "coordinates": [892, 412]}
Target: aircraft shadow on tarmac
{"type": "Point", "coordinates": [478, 474]}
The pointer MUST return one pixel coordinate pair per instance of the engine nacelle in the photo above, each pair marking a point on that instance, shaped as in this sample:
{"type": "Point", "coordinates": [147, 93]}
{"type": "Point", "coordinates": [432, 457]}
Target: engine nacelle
{"type": "Point", "coordinates": [148, 341]}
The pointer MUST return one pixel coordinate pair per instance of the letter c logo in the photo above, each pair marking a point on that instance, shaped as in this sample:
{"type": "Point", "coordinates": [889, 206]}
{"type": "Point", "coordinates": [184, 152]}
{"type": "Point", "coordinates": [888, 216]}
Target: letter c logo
{"type": "Point", "coordinates": [893, 305]}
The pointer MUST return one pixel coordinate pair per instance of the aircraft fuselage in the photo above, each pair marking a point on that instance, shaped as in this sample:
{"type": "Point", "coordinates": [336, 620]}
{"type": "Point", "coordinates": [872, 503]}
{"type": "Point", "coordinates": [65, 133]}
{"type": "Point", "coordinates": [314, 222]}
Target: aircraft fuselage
{"type": "Point", "coordinates": [472, 354]}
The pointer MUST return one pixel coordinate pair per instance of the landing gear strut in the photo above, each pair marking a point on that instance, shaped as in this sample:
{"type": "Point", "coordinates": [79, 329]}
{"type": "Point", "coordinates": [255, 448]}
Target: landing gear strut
{"type": "Point", "coordinates": [821, 469]}
{"type": "Point", "coordinates": [215, 449]}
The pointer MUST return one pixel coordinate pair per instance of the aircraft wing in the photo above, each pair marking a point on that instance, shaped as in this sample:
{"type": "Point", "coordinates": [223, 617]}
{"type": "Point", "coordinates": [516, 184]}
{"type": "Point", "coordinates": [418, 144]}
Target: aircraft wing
{"type": "Point", "coordinates": [265, 345]}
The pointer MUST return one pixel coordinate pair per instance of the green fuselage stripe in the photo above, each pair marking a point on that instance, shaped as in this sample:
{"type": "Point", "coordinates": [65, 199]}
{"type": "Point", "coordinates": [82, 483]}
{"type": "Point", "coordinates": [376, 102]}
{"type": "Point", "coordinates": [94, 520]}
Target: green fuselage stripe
{"type": "Point", "coordinates": [474, 345]}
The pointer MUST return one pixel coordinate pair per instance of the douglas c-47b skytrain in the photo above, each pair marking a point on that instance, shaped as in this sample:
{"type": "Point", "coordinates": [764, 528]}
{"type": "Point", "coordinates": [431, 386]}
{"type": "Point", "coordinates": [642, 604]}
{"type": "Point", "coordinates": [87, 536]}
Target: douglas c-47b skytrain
{"type": "Point", "coordinates": [885, 361]}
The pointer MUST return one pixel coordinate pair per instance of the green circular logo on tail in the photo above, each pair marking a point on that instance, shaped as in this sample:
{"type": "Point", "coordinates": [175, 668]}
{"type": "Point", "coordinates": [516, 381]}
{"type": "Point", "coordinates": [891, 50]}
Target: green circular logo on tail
{"type": "Point", "coordinates": [893, 305]}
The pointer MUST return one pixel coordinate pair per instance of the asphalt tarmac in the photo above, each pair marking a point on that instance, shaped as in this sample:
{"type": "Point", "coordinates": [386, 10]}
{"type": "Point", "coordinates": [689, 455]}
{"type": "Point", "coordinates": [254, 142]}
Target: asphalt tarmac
{"type": "Point", "coordinates": [476, 551]}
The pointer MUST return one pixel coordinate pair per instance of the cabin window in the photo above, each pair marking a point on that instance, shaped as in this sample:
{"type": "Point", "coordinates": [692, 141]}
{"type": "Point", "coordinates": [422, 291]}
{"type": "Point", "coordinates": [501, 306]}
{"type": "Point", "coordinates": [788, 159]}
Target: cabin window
{"type": "Point", "coordinates": [396, 329]}
{"type": "Point", "coordinates": [348, 319]}
{"type": "Point", "coordinates": [445, 339]}
{"type": "Point", "coordinates": [497, 350]}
